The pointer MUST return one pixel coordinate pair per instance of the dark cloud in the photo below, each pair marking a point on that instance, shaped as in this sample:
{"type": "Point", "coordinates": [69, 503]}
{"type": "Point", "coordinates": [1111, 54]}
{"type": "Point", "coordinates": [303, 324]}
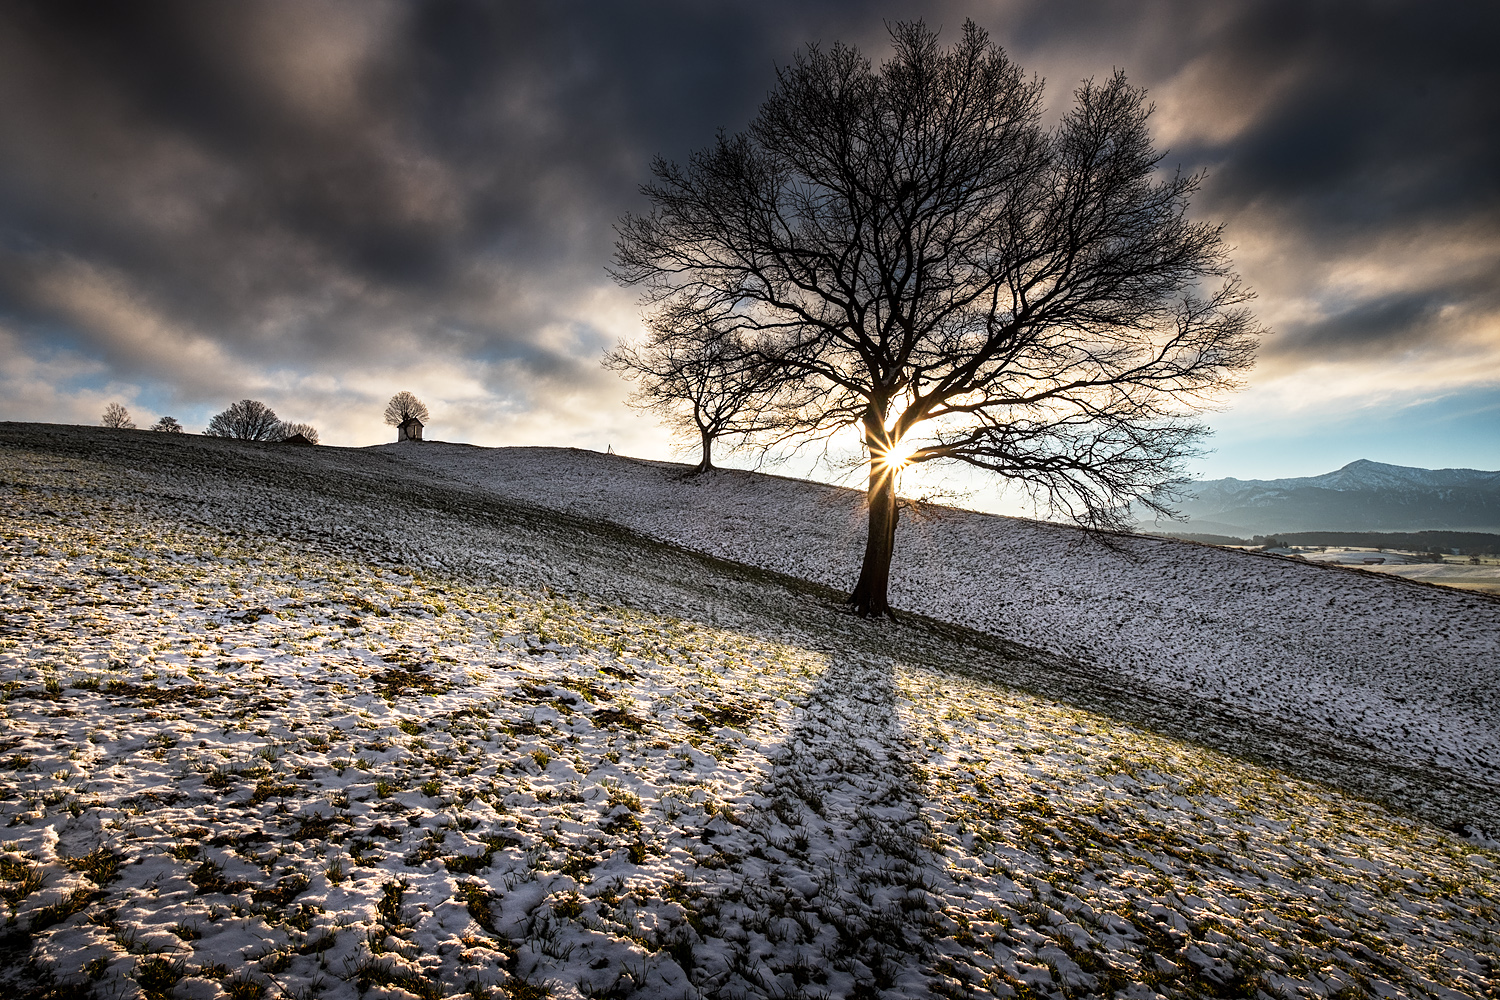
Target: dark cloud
{"type": "Point", "coordinates": [1391, 115]}
{"type": "Point", "coordinates": [191, 191]}
{"type": "Point", "coordinates": [1376, 322]}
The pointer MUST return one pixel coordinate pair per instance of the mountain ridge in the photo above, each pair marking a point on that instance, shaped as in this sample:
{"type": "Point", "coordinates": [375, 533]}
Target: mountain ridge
{"type": "Point", "coordinates": [1361, 496]}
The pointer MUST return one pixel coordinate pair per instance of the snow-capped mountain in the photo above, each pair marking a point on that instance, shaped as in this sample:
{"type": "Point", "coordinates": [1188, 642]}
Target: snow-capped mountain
{"type": "Point", "coordinates": [1362, 496]}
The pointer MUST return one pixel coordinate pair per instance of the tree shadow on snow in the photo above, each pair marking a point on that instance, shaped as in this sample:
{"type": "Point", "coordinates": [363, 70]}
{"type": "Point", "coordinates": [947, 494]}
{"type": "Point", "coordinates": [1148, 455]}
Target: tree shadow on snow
{"type": "Point", "coordinates": [833, 887]}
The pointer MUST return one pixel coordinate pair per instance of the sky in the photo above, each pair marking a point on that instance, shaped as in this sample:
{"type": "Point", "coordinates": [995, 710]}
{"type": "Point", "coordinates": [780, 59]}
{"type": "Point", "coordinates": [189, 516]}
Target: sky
{"type": "Point", "coordinates": [317, 204]}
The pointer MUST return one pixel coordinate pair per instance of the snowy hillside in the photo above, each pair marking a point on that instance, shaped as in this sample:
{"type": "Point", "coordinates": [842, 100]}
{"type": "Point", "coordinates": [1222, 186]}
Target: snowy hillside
{"type": "Point", "coordinates": [1362, 496]}
{"type": "Point", "coordinates": [1374, 665]}
{"type": "Point", "coordinates": [324, 723]}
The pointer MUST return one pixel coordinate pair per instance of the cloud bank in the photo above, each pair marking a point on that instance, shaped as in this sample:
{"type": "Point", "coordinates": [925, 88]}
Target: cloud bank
{"type": "Point", "coordinates": [317, 203]}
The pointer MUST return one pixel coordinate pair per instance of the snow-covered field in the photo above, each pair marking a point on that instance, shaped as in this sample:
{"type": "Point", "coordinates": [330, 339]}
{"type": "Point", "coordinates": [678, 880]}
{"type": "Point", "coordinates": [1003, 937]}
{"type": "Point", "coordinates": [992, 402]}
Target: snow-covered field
{"type": "Point", "coordinates": [300, 723]}
{"type": "Point", "coordinates": [1376, 666]}
{"type": "Point", "coordinates": [1483, 578]}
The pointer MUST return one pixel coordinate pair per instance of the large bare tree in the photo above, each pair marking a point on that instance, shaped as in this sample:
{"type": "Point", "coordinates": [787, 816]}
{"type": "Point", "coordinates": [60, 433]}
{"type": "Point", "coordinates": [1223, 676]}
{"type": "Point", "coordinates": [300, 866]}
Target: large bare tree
{"type": "Point", "coordinates": [962, 283]}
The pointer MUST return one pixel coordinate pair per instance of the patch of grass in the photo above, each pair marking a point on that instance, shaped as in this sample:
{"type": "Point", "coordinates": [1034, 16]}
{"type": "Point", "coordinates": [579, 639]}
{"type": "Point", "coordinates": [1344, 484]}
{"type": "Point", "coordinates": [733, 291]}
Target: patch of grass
{"type": "Point", "coordinates": [468, 864]}
{"type": "Point", "coordinates": [532, 691]}
{"type": "Point", "coordinates": [621, 796]}
{"type": "Point", "coordinates": [221, 779]}
{"type": "Point", "coordinates": [735, 715]}
{"type": "Point", "coordinates": [395, 683]}
{"type": "Point", "coordinates": [27, 878]}
{"type": "Point", "coordinates": [389, 907]}
{"type": "Point", "coordinates": [283, 892]}
{"type": "Point", "coordinates": [619, 718]}
{"type": "Point", "coordinates": [476, 898]}
{"type": "Point", "coordinates": [209, 878]}
{"type": "Point", "coordinates": [316, 946]}
{"type": "Point", "coordinates": [429, 848]}
{"type": "Point", "coordinates": [55, 913]}
{"type": "Point", "coordinates": [267, 789]}
{"type": "Point", "coordinates": [245, 987]}
{"type": "Point", "coordinates": [273, 960]}
{"type": "Point", "coordinates": [301, 918]}
{"type": "Point", "coordinates": [377, 973]}
{"type": "Point", "coordinates": [624, 824]}
{"type": "Point", "coordinates": [184, 852]}
{"type": "Point", "coordinates": [319, 827]}
{"type": "Point", "coordinates": [157, 977]}
{"type": "Point", "coordinates": [150, 695]}
{"type": "Point", "coordinates": [568, 905]}
{"type": "Point", "coordinates": [590, 691]}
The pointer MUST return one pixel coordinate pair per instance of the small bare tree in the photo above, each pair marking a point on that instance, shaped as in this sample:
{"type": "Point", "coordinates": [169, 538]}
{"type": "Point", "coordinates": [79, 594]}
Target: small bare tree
{"type": "Point", "coordinates": [959, 282]}
{"type": "Point", "coordinates": [247, 420]}
{"type": "Point", "coordinates": [404, 406]}
{"type": "Point", "coordinates": [703, 380]}
{"type": "Point", "coordinates": [167, 425]}
{"type": "Point", "coordinates": [288, 430]}
{"type": "Point", "coordinates": [116, 416]}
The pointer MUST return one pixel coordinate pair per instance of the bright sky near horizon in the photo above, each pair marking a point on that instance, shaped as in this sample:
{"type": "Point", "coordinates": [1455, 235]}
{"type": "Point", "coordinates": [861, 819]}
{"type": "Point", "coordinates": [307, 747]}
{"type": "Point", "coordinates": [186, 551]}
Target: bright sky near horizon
{"type": "Point", "coordinates": [318, 203]}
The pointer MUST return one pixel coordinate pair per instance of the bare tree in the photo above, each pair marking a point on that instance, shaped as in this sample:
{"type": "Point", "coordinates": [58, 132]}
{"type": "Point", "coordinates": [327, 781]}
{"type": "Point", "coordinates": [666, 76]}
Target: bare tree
{"type": "Point", "coordinates": [167, 425]}
{"type": "Point", "coordinates": [287, 430]}
{"type": "Point", "coordinates": [247, 420]}
{"type": "Point", "coordinates": [402, 407]}
{"type": "Point", "coordinates": [962, 283]}
{"type": "Point", "coordinates": [703, 380]}
{"type": "Point", "coordinates": [116, 416]}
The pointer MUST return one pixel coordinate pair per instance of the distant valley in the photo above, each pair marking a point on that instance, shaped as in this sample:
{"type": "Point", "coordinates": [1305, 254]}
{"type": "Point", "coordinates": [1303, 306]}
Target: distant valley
{"type": "Point", "coordinates": [1362, 496]}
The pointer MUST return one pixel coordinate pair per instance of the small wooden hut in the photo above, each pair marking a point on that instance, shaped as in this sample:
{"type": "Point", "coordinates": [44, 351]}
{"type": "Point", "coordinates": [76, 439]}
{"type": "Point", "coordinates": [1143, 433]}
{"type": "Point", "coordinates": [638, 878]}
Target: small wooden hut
{"type": "Point", "coordinates": [409, 429]}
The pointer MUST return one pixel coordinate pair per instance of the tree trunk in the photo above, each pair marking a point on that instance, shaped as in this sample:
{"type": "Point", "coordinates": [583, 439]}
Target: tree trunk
{"type": "Point", "coordinates": [869, 597]}
{"type": "Point", "coordinates": [706, 463]}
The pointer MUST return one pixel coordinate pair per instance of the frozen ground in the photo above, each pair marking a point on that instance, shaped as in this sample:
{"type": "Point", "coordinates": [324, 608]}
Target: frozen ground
{"type": "Point", "coordinates": [1376, 668]}
{"type": "Point", "coordinates": [298, 723]}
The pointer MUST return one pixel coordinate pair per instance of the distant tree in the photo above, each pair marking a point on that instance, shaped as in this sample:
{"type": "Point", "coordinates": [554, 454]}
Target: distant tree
{"type": "Point", "coordinates": [116, 416]}
{"type": "Point", "coordinates": [247, 420]}
{"type": "Point", "coordinates": [168, 425]}
{"type": "Point", "coordinates": [402, 407]}
{"type": "Point", "coordinates": [963, 283]}
{"type": "Point", "coordinates": [292, 430]}
{"type": "Point", "coordinates": [704, 380]}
